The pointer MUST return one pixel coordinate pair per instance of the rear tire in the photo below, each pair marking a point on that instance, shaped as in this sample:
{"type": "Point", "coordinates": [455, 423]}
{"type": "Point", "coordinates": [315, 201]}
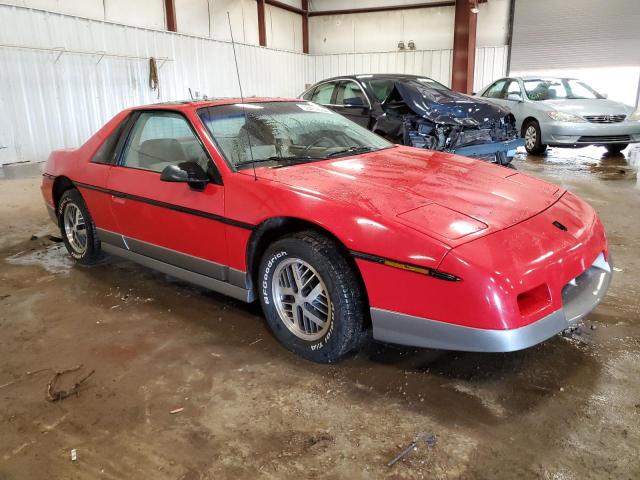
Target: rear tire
{"type": "Point", "coordinates": [77, 229]}
{"type": "Point", "coordinates": [311, 297]}
{"type": "Point", "coordinates": [616, 148]}
{"type": "Point", "coordinates": [533, 138]}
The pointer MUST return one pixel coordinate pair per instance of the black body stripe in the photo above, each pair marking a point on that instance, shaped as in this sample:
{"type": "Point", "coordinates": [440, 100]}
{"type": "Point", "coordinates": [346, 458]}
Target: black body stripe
{"type": "Point", "coordinates": [432, 272]}
{"type": "Point", "coordinates": [169, 206]}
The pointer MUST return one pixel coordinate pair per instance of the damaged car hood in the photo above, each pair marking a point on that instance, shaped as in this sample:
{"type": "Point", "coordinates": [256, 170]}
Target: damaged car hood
{"type": "Point", "coordinates": [445, 106]}
{"type": "Point", "coordinates": [448, 197]}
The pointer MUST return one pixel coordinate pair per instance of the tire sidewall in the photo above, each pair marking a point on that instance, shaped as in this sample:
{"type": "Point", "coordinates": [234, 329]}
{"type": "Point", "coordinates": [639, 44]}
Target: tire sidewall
{"type": "Point", "coordinates": [536, 146]}
{"type": "Point", "coordinates": [330, 344]}
{"type": "Point", "coordinates": [74, 198]}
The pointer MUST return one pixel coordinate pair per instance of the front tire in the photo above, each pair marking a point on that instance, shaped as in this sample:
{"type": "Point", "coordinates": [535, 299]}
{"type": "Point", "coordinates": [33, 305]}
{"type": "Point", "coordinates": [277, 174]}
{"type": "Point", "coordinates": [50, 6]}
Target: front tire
{"type": "Point", "coordinates": [616, 148]}
{"type": "Point", "coordinates": [533, 138]}
{"type": "Point", "coordinates": [77, 229]}
{"type": "Point", "coordinates": [311, 297]}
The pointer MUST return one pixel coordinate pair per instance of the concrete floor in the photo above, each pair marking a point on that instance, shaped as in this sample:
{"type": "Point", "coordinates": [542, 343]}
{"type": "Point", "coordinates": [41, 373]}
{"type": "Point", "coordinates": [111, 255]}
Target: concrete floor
{"type": "Point", "coordinates": [567, 409]}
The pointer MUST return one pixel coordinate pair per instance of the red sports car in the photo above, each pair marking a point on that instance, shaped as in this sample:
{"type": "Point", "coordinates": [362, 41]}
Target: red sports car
{"type": "Point", "coordinates": [333, 229]}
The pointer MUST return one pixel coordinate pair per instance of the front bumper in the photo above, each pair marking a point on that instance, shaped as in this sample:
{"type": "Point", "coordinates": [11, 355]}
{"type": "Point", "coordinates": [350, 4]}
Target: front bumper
{"type": "Point", "coordinates": [579, 297]}
{"type": "Point", "coordinates": [506, 149]}
{"type": "Point", "coordinates": [568, 134]}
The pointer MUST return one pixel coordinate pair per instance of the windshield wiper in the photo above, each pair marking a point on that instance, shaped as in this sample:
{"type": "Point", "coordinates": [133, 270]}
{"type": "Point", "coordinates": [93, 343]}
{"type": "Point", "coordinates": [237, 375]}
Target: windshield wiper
{"type": "Point", "coordinates": [349, 151]}
{"type": "Point", "coordinates": [275, 158]}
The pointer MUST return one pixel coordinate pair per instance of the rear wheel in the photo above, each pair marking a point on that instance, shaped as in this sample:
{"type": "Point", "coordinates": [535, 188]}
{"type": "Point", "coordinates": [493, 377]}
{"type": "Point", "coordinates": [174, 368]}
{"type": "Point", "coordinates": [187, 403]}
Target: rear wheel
{"type": "Point", "coordinates": [533, 138]}
{"type": "Point", "coordinates": [77, 229]}
{"type": "Point", "coordinates": [616, 147]}
{"type": "Point", "coordinates": [311, 297]}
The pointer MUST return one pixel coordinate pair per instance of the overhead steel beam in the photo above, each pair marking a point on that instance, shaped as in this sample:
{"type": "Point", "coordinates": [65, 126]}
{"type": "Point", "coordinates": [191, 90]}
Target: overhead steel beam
{"type": "Point", "coordinates": [286, 6]}
{"type": "Point", "coordinates": [464, 46]}
{"type": "Point", "coordinates": [170, 12]}
{"type": "Point", "coordinates": [386, 8]}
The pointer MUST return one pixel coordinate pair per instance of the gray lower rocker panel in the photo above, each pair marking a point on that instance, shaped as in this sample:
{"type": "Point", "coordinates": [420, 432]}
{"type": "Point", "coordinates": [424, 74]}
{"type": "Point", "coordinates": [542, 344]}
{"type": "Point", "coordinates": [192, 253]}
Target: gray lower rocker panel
{"type": "Point", "coordinates": [186, 275]}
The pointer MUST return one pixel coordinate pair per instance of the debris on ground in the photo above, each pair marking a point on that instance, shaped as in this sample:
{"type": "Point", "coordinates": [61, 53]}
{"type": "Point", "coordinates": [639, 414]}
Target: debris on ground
{"type": "Point", "coordinates": [256, 341]}
{"type": "Point", "coordinates": [74, 455]}
{"type": "Point", "coordinates": [429, 439]}
{"type": "Point", "coordinates": [54, 395]}
{"type": "Point", "coordinates": [33, 237]}
{"type": "Point", "coordinates": [176, 410]}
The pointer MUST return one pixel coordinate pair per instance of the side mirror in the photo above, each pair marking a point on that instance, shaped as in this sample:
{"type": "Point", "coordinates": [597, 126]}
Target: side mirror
{"type": "Point", "coordinates": [353, 102]}
{"type": "Point", "coordinates": [516, 97]}
{"type": "Point", "coordinates": [185, 172]}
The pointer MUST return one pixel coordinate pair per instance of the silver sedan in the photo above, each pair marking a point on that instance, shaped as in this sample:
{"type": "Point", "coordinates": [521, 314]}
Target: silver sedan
{"type": "Point", "coordinates": [564, 112]}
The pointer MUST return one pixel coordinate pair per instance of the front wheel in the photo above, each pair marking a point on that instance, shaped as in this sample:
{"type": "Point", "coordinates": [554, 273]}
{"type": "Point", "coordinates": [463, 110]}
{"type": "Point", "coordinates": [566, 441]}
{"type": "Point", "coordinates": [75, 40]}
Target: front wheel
{"type": "Point", "coordinates": [616, 148]}
{"type": "Point", "coordinates": [77, 229]}
{"type": "Point", "coordinates": [533, 138]}
{"type": "Point", "coordinates": [311, 297]}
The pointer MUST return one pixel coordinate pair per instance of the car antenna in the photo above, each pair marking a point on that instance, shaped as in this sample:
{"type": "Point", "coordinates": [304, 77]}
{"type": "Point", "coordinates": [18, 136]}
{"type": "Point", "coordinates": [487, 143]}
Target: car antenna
{"type": "Point", "coordinates": [244, 110]}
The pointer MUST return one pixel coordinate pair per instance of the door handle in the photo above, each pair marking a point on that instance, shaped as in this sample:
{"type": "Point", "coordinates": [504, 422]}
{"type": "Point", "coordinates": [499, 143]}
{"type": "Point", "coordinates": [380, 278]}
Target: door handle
{"type": "Point", "coordinates": [118, 199]}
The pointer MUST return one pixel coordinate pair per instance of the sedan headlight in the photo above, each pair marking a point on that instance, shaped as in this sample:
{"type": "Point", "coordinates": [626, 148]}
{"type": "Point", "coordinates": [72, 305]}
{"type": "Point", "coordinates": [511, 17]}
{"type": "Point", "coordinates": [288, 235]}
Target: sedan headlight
{"type": "Point", "coordinates": [635, 116]}
{"type": "Point", "coordinates": [565, 117]}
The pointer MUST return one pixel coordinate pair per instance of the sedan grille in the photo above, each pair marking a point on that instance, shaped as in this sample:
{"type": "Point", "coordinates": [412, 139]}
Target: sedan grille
{"type": "Point", "coordinates": [605, 118]}
{"type": "Point", "coordinates": [604, 139]}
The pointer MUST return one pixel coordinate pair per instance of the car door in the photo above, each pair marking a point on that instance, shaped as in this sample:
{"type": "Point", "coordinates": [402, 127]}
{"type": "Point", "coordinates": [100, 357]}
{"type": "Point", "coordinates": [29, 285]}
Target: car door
{"type": "Point", "coordinates": [171, 222]}
{"type": "Point", "coordinates": [351, 101]}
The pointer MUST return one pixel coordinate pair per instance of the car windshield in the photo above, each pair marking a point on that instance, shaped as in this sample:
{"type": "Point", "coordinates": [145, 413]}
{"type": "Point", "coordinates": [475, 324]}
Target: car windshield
{"type": "Point", "coordinates": [283, 133]}
{"type": "Point", "coordinates": [381, 87]}
{"type": "Point", "coordinates": [559, 89]}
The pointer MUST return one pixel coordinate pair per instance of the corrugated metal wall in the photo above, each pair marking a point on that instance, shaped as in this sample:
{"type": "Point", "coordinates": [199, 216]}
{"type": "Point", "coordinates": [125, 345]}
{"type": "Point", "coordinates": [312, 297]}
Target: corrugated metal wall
{"type": "Point", "coordinates": [51, 100]}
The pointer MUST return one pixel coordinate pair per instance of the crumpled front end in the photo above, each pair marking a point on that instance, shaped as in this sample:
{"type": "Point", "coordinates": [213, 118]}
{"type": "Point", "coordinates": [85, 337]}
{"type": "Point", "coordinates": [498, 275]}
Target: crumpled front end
{"type": "Point", "coordinates": [448, 122]}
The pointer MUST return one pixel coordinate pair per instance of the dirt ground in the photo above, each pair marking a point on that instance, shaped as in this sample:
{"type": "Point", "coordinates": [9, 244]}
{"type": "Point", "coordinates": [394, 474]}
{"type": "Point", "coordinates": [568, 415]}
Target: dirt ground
{"type": "Point", "coordinates": [566, 409]}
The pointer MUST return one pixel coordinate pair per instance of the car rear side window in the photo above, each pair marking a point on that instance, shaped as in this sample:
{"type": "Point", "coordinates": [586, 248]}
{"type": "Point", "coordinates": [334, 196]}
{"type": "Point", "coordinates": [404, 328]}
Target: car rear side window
{"type": "Point", "coordinates": [159, 139]}
{"type": "Point", "coordinates": [107, 151]}
{"type": "Point", "coordinates": [496, 90]}
{"type": "Point", "coordinates": [348, 91]}
{"type": "Point", "coordinates": [323, 94]}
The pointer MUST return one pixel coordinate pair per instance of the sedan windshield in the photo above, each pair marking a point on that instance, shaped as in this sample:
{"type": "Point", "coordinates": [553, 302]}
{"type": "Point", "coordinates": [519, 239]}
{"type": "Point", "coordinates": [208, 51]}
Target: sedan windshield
{"type": "Point", "coordinates": [381, 87]}
{"type": "Point", "coordinates": [559, 89]}
{"type": "Point", "coordinates": [284, 133]}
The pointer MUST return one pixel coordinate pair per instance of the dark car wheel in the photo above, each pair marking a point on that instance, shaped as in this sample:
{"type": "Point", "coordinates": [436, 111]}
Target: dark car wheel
{"type": "Point", "coordinates": [77, 229]}
{"type": "Point", "coordinates": [311, 297]}
{"type": "Point", "coordinates": [533, 138]}
{"type": "Point", "coordinates": [616, 147]}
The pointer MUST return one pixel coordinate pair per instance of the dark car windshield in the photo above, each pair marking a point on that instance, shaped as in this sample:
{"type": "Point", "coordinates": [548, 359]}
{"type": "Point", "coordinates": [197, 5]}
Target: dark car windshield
{"type": "Point", "coordinates": [558, 89]}
{"type": "Point", "coordinates": [282, 133]}
{"type": "Point", "coordinates": [381, 87]}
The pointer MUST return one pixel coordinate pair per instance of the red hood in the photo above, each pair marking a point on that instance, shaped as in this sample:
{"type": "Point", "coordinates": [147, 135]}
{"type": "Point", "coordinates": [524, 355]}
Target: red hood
{"type": "Point", "coordinates": [433, 192]}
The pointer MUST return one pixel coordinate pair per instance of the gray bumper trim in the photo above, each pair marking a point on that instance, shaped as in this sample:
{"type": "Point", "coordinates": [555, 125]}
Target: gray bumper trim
{"type": "Point", "coordinates": [580, 296]}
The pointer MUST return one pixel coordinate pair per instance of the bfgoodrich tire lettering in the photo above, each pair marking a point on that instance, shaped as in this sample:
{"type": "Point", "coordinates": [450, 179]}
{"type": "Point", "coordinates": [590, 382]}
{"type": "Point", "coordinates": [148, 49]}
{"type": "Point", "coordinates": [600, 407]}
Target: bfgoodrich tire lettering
{"type": "Point", "coordinates": [85, 247]}
{"type": "Point", "coordinates": [330, 325]}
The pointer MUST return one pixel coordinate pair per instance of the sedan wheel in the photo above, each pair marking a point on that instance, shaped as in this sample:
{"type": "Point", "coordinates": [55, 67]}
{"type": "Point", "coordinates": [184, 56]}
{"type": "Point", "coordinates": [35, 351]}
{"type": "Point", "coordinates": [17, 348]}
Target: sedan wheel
{"type": "Point", "coordinates": [533, 138]}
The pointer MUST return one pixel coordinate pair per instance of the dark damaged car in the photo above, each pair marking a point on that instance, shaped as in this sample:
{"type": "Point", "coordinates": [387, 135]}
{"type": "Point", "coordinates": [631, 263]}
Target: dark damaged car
{"type": "Point", "coordinates": [420, 112]}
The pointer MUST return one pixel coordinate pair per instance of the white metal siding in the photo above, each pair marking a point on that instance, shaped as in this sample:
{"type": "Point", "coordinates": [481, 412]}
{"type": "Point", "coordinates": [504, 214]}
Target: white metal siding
{"type": "Point", "coordinates": [51, 100]}
{"type": "Point", "coordinates": [557, 35]}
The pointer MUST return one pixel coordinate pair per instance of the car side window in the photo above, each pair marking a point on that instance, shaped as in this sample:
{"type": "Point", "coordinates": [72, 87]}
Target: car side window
{"type": "Point", "coordinates": [496, 90]}
{"type": "Point", "coordinates": [349, 90]}
{"type": "Point", "coordinates": [513, 90]}
{"type": "Point", "coordinates": [323, 93]}
{"type": "Point", "coordinates": [159, 139]}
{"type": "Point", "coordinates": [107, 151]}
